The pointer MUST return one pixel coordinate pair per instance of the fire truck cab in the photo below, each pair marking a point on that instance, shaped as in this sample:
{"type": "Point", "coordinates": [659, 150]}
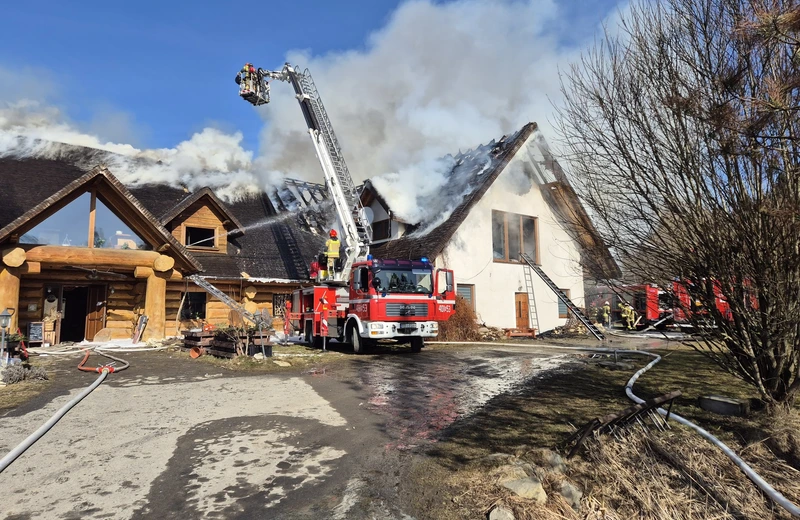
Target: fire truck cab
{"type": "Point", "coordinates": [401, 300]}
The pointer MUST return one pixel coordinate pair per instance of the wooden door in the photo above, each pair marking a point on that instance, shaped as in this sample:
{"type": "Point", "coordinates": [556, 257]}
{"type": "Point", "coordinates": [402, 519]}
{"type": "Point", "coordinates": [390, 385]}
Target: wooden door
{"type": "Point", "coordinates": [95, 310]}
{"type": "Point", "coordinates": [521, 308]}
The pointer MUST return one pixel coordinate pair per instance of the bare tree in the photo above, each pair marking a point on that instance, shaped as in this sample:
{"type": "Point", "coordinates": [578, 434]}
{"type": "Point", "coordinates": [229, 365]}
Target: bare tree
{"type": "Point", "coordinates": [682, 131]}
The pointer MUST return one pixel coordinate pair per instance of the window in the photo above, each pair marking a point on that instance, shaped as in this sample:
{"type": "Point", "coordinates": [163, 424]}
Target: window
{"type": "Point", "coordinates": [563, 312]}
{"type": "Point", "coordinates": [279, 303]}
{"type": "Point", "coordinates": [194, 306]}
{"type": "Point", "coordinates": [199, 237]}
{"type": "Point", "coordinates": [111, 233]}
{"type": "Point", "coordinates": [468, 293]}
{"type": "Point", "coordinates": [382, 229]}
{"type": "Point", "coordinates": [72, 226]}
{"type": "Point", "coordinates": [513, 234]}
{"type": "Point", "coordinates": [67, 227]}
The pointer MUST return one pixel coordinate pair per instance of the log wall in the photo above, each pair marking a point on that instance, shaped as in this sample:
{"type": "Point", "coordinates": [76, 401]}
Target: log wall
{"type": "Point", "coordinates": [202, 216]}
{"type": "Point", "coordinates": [217, 313]}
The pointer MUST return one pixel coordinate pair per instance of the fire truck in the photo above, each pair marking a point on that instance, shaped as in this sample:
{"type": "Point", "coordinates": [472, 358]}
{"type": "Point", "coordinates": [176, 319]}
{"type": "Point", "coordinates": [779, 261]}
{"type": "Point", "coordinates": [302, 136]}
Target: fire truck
{"type": "Point", "coordinates": [658, 308]}
{"type": "Point", "coordinates": [367, 299]}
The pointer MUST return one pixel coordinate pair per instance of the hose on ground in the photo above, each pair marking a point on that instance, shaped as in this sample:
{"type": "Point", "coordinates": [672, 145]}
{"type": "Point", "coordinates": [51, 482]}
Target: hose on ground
{"type": "Point", "coordinates": [38, 434]}
{"type": "Point", "coordinates": [754, 477]}
{"type": "Point", "coordinates": [110, 367]}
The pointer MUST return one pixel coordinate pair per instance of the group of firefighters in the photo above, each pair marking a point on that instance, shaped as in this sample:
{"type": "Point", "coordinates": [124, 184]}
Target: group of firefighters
{"type": "Point", "coordinates": [324, 266]}
{"type": "Point", "coordinates": [626, 312]}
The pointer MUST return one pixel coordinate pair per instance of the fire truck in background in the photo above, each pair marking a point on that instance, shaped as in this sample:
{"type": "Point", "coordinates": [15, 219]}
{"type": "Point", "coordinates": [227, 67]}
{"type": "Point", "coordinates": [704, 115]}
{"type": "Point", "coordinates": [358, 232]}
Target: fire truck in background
{"type": "Point", "coordinates": [368, 299]}
{"type": "Point", "coordinates": [658, 308]}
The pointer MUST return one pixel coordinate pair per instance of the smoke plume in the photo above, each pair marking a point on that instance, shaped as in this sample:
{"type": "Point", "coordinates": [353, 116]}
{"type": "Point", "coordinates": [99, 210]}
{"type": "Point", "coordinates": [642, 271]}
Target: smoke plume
{"type": "Point", "coordinates": [437, 78]}
{"type": "Point", "coordinates": [210, 158]}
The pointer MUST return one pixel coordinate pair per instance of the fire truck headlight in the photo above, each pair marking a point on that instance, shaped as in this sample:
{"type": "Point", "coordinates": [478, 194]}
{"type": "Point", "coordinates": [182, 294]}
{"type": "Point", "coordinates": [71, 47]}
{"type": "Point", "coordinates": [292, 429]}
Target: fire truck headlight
{"type": "Point", "coordinates": [376, 326]}
{"type": "Point", "coordinates": [435, 326]}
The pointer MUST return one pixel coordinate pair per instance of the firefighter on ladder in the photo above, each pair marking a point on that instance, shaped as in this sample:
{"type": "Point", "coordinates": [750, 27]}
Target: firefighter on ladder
{"type": "Point", "coordinates": [332, 251]}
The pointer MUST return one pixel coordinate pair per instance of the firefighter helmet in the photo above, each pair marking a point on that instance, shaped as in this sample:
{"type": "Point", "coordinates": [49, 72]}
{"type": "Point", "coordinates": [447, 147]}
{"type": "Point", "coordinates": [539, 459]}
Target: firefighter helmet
{"type": "Point", "coordinates": [333, 233]}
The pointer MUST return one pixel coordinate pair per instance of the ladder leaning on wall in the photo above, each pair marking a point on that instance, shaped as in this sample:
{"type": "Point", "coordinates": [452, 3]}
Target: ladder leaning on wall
{"type": "Point", "coordinates": [533, 313]}
{"type": "Point", "coordinates": [563, 297]}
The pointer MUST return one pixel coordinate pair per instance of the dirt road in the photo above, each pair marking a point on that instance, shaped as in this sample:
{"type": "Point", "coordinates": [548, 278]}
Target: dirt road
{"type": "Point", "coordinates": [173, 438]}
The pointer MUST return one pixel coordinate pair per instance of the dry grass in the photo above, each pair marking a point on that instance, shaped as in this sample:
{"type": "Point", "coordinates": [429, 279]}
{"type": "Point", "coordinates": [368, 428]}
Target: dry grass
{"type": "Point", "coordinates": [676, 474]}
{"type": "Point", "coordinates": [462, 325]}
{"type": "Point", "coordinates": [16, 394]}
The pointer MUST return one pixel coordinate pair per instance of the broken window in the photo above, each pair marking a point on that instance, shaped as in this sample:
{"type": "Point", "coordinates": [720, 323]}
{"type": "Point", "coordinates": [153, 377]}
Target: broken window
{"type": "Point", "coordinates": [199, 237]}
{"type": "Point", "coordinates": [382, 229]}
{"type": "Point", "coordinates": [194, 306]}
{"type": "Point", "coordinates": [513, 234]}
{"type": "Point", "coordinates": [498, 235]}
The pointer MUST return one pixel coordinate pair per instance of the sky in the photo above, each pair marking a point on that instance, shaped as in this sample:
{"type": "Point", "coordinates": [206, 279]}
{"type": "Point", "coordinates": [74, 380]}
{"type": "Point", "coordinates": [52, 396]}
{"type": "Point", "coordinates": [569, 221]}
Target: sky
{"type": "Point", "coordinates": [404, 82]}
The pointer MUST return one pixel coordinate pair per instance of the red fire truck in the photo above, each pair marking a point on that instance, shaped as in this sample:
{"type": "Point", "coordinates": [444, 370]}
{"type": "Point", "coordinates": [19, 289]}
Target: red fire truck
{"type": "Point", "coordinates": [367, 299]}
{"type": "Point", "coordinates": [656, 307]}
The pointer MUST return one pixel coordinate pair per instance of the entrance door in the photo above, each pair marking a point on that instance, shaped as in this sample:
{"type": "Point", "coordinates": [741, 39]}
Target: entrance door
{"type": "Point", "coordinates": [95, 310]}
{"type": "Point", "coordinates": [521, 308]}
{"type": "Point", "coordinates": [73, 307]}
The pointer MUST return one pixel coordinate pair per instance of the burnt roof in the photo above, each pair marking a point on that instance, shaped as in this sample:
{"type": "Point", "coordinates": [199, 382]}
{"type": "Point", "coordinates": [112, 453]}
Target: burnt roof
{"type": "Point", "coordinates": [473, 174]}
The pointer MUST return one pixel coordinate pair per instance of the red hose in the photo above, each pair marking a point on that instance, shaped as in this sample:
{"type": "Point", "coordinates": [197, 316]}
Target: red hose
{"type": "Point", "coordinates": [102, 368]}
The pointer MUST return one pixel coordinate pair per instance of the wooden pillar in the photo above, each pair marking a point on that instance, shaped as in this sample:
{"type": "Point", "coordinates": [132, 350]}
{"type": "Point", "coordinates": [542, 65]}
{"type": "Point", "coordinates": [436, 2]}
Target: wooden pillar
{"type": "Point", "coordinates": [155, 303]}
{"type": "Point", "coordinates": [9, 293]}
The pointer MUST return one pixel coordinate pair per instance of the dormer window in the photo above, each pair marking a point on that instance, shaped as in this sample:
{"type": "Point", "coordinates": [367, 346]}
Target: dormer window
{"type": "Point", "coordinates": [200, 237]}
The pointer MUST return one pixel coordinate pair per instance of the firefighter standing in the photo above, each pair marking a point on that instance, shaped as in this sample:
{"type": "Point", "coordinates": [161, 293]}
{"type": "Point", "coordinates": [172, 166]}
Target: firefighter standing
{"type": "Point", "coordinates": [332, 251]}
{"type": "Point", "coordinates": [607, 315]}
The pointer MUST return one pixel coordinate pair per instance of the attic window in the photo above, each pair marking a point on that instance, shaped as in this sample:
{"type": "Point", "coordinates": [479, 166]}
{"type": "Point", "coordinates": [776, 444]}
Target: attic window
{"type": "Point", "coordinates": [200, 237]}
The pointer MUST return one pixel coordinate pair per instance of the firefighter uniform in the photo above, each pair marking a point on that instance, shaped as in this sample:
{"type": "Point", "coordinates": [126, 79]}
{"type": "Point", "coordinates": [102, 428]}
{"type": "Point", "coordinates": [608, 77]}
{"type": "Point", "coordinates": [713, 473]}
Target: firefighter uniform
{"type": "Point", "coordinates": [332, 251]}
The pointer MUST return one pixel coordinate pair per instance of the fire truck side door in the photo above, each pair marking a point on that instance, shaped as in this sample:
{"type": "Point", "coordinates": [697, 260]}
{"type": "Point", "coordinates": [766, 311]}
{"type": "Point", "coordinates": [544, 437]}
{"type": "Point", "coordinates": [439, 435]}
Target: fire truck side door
{"type": "Point", "coordinates": [445, 292]}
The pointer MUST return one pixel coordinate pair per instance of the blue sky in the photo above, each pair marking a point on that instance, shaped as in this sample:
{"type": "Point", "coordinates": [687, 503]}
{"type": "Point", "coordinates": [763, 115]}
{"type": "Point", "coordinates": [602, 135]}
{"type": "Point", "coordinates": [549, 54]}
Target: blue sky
{"type": "Point", "coordinates": [152, 73]}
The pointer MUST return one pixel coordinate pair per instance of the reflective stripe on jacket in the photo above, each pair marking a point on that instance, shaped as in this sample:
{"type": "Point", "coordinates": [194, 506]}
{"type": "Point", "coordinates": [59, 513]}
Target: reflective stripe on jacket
{"type": "Point", "coordinates": [332, 245]}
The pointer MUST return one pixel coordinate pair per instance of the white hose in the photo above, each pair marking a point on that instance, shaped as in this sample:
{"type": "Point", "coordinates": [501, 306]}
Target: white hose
{"type": "Point", "coordinates": [35, 436]}
{"type": "Point", "coordinates": [771, 492]}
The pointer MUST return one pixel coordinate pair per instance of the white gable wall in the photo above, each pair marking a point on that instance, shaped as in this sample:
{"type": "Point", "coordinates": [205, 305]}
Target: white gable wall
{"type": "Point", "coordinates": [469, 253]}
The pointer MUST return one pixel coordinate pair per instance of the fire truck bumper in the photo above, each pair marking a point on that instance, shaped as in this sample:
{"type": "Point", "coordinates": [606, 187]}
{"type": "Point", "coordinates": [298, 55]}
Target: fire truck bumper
{"type": "Point", "coordinates": [389, 330]}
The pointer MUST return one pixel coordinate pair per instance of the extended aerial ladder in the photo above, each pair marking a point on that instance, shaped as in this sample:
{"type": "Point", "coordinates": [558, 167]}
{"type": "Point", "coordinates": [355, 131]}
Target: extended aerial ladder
{"type": "Point", "coordinates": [356, 228]}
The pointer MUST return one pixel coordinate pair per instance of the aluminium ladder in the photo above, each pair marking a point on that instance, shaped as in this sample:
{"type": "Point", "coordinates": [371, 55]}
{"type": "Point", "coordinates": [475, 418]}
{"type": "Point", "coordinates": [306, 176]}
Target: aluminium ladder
{"type": "Point", "coordinates": [260, 320]}
{"type": "Point", "coordinates": [563, 297]}
{"type": "Point", "coordinates": [533, 313]}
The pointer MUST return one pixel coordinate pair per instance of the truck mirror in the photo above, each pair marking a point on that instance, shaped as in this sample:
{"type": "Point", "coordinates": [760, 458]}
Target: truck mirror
{"type": "Point", "coordinates": [441, 282]}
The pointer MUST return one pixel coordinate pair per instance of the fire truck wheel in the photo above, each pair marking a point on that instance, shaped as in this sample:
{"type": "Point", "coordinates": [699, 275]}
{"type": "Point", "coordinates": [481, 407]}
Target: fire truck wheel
{"type": "Point", "coordinates": [417, 344]}
{"type": "Point", "coordinates": [356, 341]}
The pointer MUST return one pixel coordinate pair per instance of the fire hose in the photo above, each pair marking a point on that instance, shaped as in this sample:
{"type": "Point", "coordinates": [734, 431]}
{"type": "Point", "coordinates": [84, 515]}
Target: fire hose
{"type": "Point", "coordinates": [763, 485]}
{"type": "Point", "coordinates": [103, 370]}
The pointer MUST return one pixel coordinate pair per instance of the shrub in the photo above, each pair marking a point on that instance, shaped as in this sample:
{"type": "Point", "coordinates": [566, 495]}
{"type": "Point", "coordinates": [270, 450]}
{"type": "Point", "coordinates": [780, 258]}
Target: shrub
{"type": "Point", "coordinates": [18, 373]}
{"type": "Point", "coordinates": [462, 325]}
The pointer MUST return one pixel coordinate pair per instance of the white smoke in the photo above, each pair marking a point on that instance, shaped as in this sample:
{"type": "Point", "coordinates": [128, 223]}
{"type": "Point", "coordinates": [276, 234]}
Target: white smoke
{"type": "Point", "coordinates": [437, 78]}
{"type": "Point", "coordinates": [210, 158]}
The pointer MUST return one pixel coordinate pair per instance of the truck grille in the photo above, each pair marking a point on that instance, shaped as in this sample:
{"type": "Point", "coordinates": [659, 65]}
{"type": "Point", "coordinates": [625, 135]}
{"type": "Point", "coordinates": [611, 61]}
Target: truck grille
{"type": "Point", "coordinates": [407, 309]}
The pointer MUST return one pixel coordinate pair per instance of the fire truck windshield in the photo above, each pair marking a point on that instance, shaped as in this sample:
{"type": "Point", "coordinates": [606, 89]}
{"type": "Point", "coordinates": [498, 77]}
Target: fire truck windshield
{"type": "Point", "coordinates": [394, 280]}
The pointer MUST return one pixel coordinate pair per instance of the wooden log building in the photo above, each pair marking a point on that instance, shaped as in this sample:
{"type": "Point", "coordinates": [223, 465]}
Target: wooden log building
{"type": "Point", "coordinates": [82, 256]}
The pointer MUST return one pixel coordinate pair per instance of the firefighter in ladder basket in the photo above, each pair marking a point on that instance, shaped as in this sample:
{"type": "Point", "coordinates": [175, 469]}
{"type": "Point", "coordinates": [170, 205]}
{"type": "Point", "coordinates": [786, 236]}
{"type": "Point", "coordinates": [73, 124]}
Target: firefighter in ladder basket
{"type": "Point", "coordinates": [332, 252]}
{"type": "Point", "coordinates": [252, 85]}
